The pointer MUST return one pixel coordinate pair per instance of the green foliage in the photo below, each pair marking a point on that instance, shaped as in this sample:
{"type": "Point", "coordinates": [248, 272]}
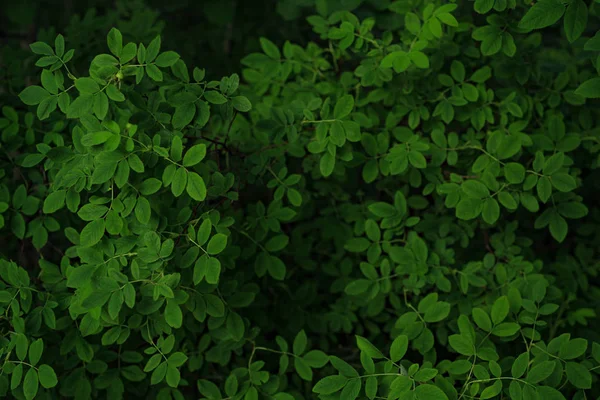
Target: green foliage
{"type": "Point", "coordinates": [397, 205]}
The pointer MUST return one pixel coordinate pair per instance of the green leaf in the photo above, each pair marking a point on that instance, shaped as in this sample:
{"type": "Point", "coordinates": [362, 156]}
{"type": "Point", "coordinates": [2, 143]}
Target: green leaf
{"type": "Point", "coordinates": [152, 50]}
{"type": "Point", "coordinates": [47, 61]}
{"type": "Point", "coordinates": [430, 392]}
{"type": "Point", "coordinates": [482, 319]}
{"type": "Point", "coordinates": [475, 189]}
{"type": "Point", "coordinates": [543, 14]}
{"type": "Point", "coordinates": [64, 101]}
{"type": "Point", "coordinates": [399, 348]}
{"type": "Point", "coordinates": [563, 182]}
{"type": "Point", "coordinates": [579, 375]}
{"type": "Point", "coordinates": [337, 135]}
{"type": "Point", "coordinates": [357, 245]}
{"type": "Point", "coordinates": [251, 394]}
{"type": "Point", "coordinates": [209, 389]}
{"type": "Point", "coordinates": [357, 287]}
{"type": "Point", "coordinates": [371, 387]}
{"type": "Point", "coordinates": [382, 209]}
{"type": "Point", "coordinates": [115, 303]}
{"type": "Point", "coordinates": [213, 271]}
{"type": "Point", "coordinates": [277, 243]}
{"type": "Point", "coordinates": [59, 45]}
{"type": "Point", "coordinates": [437, 312]}
{"type": "Point", "coordinates": [468, 209]}
{"type": "Point", "coordinates": [166, 59]}
{"type": "Point", "coordinates": [366, 346]}
{"type": "Point", "coordinates": [231, 385]}
{"type": "Point", "coordinates": [194, 155]}
{"type": "Point", "coordinates": [553, 164]}
{"type": "Point", "coordinates": [33, 95]}
{"type": "Point", "coordinates": [330, 384]}
{"type": "Point", "coordinates": [49, 82]}
{"type": "Point", "coordinates": [91, 212]}
{"type": "Point", "coordinates": [300, 342]}
{"type": "Point", "coordinates": [417, 159]}
{"type": "Point", "coordinates": [30, 384]}
{"type": "Point", "coordinates": [514, 172]}
{"type": "Point", "coordinates": [529, 202]}
{"type": "Point", "coordinates": [159, 373]}
{"type": "Point", "coordinates": [241, 103]}
{"type": "Point", "coordinates": [303, 369]}
{"type": "Point", "coordinates": [425, 374]}
{"type": "Point", "coordinates": [15, 377]}
{"type": "Point", "coordinates": [150, 186]}
{"type": "Point", "coordinates": [269, 48]}
{"type": "Point", "coordinates": [540, 371]}
{"type": "Point", "coordinates": [153, 362]}
{"type": "Point", "coordinates": [178, 185]}
{"type": "Point", "coordinates": [235, 326]}
{"type": "Point", "coordinates": [92, 233]}
{"type": "Point", "coordinates": [22, 344]}
{"type": "Point", "coordinates": [47, 377]}
{"type": "Point", "coordinates": [173, 314]}
{"type": "Point", "coordinates": [500, 309]}
{"type": "Point", "coordinates": [572, 349]}
{"type": "Point", "coordinates": [5, 296]}
{"type": "Point", "coordinates": [214, 97]}
{"type": "Point", "coordinates": [327, 164]}
{"type": "Point", "coordinates": [46, 107]}
{"type": "Point", "coordinates": [114, 93]}
{"type": "Point", "coordinates": [419, 59]}
{"type": "Point", "coordinates": [184, 114]}
{"type": "Point", "coordinates": [35, 351]}
{"type": "Point", "coordinates": [558, 227]}
{"type": "Point", "coordinates": [397, 59]}
{"type": "Point", "coordinates": [483, 6]}
{"type": "Point", "coordinates": [520, 365]}
{"type": "Point", "coordinates": [544, 189]}
{"type": "Point", "coordinates": [343, 107]}
{"type": "Point", "coordinates": [143, 210]}
{"type": "Point", "coordinates": [351, 390]}
{"type": "Point", "coordinates": [199, 74]}
{"type": "Point", "coordinates": [576, 18]}
{"type": "Point", "coordinates": [100, 105]}
{"type": "Point", "coordinates": [572, 210]}
{"type": "Point", "coordinates": [217, 244]}
{"type": "Point", "coordinates": [196, 187]}
{"type": "Point", "coordinates": [506, 329]}
{"type": "Point", "coordinates": [128, 52]}
{"type": "Point", "coordinates": [457, 69]}
{"type": "Point", "coordinates": [54, 202]}
{"type": "Point", "coordinates": [491, 211]}
{"type": "Point", "coordinates": [412, 22]}
{"type": "Point", "coordinates": [204, 232]}
{"type": "Point", "coordinates": [316, 358]}
{"type": "Point", "coordinates": [173, 376]}
{"type": "Point", "coordinates": [80, 106]}
{"type": "Point", "coordinates": [462, 344]}
{"type": "Point", "coordinates": [87, 86]}
{"type": "Point", "coordinates": [154, 73]}
{"type": "Point", "coordinates": [481, 75]}
{"type": "Point", "coordinates": [343, 367]}
{"type": "Point", "coordinates": [115, 41]}
{"type": "Point", "coordinates": [589, 89]}
{"type": "Point", "coordinates": [32, 160]}
{"type": "Point", "coordinates": [41, 48]}
{"type": "Point", "coordinates": [141, 53]}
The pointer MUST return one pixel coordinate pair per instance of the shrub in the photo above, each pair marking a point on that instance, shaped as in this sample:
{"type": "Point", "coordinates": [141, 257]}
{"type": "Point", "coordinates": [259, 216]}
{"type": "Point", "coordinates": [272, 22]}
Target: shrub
{"type": "Point", "coordinates": [395, 209]}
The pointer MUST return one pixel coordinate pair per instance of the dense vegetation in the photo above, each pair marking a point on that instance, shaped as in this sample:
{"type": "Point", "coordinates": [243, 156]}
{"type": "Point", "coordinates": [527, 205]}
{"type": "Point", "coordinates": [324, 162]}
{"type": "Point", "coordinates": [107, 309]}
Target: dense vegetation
{"type": "Point", "coordinates": [300, 199]}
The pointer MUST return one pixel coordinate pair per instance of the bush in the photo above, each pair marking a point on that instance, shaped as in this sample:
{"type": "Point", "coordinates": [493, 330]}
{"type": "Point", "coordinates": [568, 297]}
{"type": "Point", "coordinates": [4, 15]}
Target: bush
{"type": "Point", "coordinates": [399, 206]}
